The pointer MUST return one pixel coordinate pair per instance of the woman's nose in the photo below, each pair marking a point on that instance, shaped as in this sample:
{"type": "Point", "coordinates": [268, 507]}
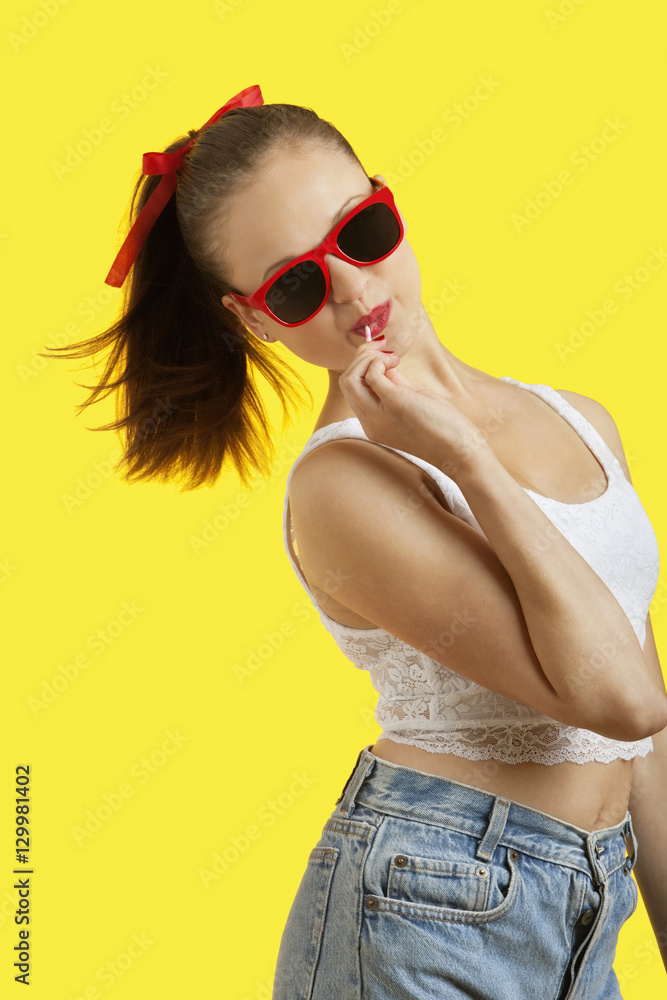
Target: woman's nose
{"type": "Point", "coordinates": [348, 281]}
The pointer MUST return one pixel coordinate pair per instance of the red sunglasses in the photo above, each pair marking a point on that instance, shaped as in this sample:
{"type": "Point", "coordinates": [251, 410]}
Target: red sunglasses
{"type": "Point", "coordinates": [366, 235]}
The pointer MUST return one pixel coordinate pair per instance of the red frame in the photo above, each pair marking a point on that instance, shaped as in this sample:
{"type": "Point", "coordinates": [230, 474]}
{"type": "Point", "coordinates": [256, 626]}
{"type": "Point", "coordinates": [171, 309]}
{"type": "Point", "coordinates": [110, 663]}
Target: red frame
{"type": "Point", "coordinates": [328, 245]}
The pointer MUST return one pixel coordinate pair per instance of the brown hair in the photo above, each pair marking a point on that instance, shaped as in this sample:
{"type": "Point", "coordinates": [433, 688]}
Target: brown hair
{"type": "Point", "coordinates": [185, 364]}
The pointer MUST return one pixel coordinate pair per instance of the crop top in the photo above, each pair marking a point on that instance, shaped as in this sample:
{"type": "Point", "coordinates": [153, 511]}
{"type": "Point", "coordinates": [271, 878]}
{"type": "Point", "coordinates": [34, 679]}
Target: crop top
{"type": "Point", "coordinates": [423, 702]}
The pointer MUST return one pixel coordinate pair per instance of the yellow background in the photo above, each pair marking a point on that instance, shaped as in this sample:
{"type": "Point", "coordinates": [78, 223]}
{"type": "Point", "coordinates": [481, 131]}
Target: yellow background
{"type": "Point", "coordinates": [387, 75]}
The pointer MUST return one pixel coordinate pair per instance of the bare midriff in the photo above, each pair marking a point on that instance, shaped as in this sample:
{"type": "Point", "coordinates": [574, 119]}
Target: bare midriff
{"type": "Point", "coordinates": [592, 796]}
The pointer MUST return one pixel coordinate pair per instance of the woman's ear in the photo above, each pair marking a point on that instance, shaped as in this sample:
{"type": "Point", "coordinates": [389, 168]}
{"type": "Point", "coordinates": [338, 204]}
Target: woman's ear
{"type": "Point", "coordinates": [248, 317]}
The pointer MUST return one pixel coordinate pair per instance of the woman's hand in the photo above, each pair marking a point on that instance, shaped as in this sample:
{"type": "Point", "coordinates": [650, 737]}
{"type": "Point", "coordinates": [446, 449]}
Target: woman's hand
{"type": "Point", "coordinates": [395, 412]}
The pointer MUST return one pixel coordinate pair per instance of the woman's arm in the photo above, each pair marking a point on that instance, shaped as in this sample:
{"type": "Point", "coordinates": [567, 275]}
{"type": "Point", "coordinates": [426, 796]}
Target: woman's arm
{"type": "Point", "coordinates": [516, 609]}
{"type": "Point", "coordinates": [581, 635]}
{"type": "Point", "coordinates": [521, 613]}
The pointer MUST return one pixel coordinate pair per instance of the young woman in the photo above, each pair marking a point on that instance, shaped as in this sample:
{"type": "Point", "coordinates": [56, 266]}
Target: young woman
{"type": "Point", "coordinates": [474, 542]}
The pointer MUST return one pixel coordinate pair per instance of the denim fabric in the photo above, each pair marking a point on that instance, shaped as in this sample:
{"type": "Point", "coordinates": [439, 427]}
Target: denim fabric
{"type": "Point", "coordinates": [423, 887]}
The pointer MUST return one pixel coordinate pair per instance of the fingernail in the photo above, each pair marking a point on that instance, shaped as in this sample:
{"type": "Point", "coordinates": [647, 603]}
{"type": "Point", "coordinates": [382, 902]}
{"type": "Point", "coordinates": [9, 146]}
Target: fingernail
{"type": "Point", "coordinates": [387, 352]}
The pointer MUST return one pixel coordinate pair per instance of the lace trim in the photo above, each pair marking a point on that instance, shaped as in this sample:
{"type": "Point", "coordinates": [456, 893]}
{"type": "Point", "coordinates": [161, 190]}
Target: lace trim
{"type": "Point", "coordinates": [516, 743]}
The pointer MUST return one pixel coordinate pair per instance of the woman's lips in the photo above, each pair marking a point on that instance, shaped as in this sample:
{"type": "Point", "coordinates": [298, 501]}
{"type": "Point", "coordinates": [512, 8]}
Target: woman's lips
{"type": "Point", "coordinates": [376, 320]}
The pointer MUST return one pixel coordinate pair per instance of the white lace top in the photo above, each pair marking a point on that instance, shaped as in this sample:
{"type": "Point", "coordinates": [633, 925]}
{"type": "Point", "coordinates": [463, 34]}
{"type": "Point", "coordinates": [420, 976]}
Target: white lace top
{"type": "Point", "coordinates": [424, 703]}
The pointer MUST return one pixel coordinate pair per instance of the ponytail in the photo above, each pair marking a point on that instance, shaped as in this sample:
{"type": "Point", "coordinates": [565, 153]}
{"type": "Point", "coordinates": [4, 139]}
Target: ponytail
{"type": "Point", "coordinates": [184, 365]}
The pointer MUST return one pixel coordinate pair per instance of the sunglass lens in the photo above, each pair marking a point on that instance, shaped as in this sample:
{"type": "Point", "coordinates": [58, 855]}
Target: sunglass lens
{"type": "Point", "coordinates": [371, 234]}
{"type": "Point", "coordinates": [297, 293]}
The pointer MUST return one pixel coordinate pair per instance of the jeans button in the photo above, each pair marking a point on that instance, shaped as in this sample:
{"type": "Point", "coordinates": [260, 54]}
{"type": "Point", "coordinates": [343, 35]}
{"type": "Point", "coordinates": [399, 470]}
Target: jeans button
{"type": "Point", "coordinates": [587, 916]}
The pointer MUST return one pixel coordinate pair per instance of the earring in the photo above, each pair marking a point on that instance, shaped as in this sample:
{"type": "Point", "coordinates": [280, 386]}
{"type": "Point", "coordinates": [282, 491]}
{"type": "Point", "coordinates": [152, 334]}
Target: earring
{"type": "Point", "coordinates": [266, 336]}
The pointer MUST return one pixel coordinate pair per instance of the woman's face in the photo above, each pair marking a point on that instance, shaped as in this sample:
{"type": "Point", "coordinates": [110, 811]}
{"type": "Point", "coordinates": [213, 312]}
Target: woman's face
{"type": "Point", "coordinates": [287, 211]}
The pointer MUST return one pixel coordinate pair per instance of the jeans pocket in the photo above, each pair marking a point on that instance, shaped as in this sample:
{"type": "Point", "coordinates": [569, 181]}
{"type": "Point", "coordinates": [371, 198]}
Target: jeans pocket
{"type": "Point", "coordinates": [448, 883]}
{"type": "Point", "coordinates": [458, 885]}
{"type": "Point", "coordinates": [301, 940]}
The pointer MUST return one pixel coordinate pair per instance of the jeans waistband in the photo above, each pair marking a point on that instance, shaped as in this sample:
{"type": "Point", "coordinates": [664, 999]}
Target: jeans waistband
{"type": "Point", "coordinates": [405, 792]}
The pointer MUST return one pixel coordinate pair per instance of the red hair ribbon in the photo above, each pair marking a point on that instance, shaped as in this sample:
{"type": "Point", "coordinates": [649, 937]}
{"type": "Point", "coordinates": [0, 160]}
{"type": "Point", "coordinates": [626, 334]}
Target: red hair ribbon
{"type": "Point", "coordinates": [166, 164]}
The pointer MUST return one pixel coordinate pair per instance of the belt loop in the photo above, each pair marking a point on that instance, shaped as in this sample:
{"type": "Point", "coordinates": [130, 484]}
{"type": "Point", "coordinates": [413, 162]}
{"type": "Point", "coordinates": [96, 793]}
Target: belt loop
{"type": "Point", "coordinates": [494, 830]}
{"type": "Point", "coordinates": [630, 841]}
{"type": "Point", "coordinates": [350, 775]}
{"type": "Point", "coordinates": [364, 765]}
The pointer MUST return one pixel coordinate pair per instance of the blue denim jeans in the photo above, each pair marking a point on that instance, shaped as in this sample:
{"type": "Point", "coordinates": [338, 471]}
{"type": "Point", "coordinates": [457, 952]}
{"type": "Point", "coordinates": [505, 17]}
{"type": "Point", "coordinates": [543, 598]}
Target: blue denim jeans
{"type": "Point", "coordinates": [423, 887]}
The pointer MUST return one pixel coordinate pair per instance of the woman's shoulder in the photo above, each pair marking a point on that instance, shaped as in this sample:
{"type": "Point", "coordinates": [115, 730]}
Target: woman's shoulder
{"type": "Point", "coordinates": [356, 469]}
{"type": "Point", "coordinates": [338, 452]}
{"type": "Point", "coordinates": [602, 420]}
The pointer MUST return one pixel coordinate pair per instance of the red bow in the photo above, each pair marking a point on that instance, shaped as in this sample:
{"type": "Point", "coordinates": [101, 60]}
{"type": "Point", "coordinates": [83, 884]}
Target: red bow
{"type": "Point", "coordinates": [166, 164]}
